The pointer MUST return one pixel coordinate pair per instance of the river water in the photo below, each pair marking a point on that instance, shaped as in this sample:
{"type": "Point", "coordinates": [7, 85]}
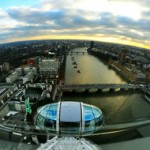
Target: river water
{"type": "Point", "coordinates": [92, 70]}
{"type": "Point", "coordinates": [118, 107]}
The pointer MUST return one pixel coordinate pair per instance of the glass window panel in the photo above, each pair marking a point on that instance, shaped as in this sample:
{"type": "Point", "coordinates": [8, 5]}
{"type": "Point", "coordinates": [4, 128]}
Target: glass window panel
{"type": "Point", "coordinates": [52, 112]}
{"type": "Point", "coordinates": [69, 127]}
{"type": "Point", "coordinates": [44, 111]}
{"type": "Point", "coordinates": [50, 124]}
{"type": "Point", "coordinates": [96, 112]}
{"type": "Point", "coordinates": [88, 114]}
{"type": "Point", "coordinates": [88, 118]}
{"type": "Point", "coordinates": [99, 121]}
{"type": "Point", "coordinates": [49, 111]}
{"type": "Point", "coordinates": [40, 121]}
{"type": "Point", "coordinates": [89, 126]}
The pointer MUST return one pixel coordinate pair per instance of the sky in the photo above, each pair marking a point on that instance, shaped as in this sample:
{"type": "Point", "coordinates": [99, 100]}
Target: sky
{"type": "Point", "coordinates": [115, 21]}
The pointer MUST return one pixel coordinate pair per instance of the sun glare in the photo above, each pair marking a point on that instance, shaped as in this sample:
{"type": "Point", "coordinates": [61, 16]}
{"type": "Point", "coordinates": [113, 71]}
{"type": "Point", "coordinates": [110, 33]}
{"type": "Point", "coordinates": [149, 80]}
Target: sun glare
{"type": "Point", "coordinates": [130, 9]}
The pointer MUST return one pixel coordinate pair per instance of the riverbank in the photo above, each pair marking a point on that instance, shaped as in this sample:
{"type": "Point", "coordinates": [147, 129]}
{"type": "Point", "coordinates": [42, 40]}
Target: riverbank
{"type": "Point", "coordinates": [126, 73]}
{"type": "Point", "coordinates": [123, 72]}
{"type": "Point", "coordinates": [62, 68]}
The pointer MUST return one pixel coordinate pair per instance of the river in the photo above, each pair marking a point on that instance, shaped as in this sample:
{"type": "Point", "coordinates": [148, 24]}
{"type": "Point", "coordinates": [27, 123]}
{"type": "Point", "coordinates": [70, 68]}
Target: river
{"type": "Point", "coordinates": [118, 107]}
{"type": "Point", "coordinates": [92, 70]}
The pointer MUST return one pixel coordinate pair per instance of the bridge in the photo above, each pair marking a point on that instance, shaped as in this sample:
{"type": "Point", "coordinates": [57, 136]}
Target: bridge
{"type": "Point", "coordinates": [101, 87]}
{"type": "Point", "coordinates": [74, 52]}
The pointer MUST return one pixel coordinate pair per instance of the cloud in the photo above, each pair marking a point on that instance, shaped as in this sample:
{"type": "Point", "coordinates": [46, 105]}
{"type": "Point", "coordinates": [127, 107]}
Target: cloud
{"type": "Point", "coordinates": [65, 17]}
{"type": "Point", "coordinates": [35, 16]}
{"type": "Point", "coordinates": [3, 14]}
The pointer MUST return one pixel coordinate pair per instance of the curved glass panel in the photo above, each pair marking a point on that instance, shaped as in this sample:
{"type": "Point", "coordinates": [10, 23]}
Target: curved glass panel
{"type": "Point", "coordinates": [93, 118]}
{"type": "Point", "coordinates": [49, 111]}
{"type": "Point", "coordinates": [88, 118]}
{"type": "Point", "coordinates": [70, 127]}
{"type": "Point", "coordinates": [52, 112]}
{"type": "Point", "coordinates": [40, 121]}
{"type": "Point", "coordinates": [97, 113]}
{"type": "Point", "coordinates": [46, 117]}
{"type": "Point", "coordinates": [50, 124]}
{"type": "Point", "coordinates": [98, 117]}
{"type": "Point", "coordinates": [88, 114]}
{"type": "Point", "coordinates": [44, 110]}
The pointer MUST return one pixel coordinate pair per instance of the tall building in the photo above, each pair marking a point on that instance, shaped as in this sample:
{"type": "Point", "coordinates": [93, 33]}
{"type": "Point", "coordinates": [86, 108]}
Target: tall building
{"type": "Point", "coordinates": [49, 67]}
{"type": "Point", "coordinates": [91, 44]}
{"type": "Point", "coordinates": [122, 56]}
{"type": "Point", "coordinates": [148, 74]}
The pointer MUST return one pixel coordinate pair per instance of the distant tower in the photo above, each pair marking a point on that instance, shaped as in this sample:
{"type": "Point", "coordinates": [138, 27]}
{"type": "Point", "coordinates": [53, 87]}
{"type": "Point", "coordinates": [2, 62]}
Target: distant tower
{"type": "Point", "coordinates": [122, 56]}
{"type": "Point", "coordinates": [92, 44]}
{"type": "Point", "coordinates": [148, 74]}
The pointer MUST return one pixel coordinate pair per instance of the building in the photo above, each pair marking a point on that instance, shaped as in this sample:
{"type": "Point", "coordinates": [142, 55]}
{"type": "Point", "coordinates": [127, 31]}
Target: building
{"type": "Point", "coordinates": [22, 75]}
{"type": "Point", "coordinates": [51, 54]}
{"type": "Point", "coordinates": [148, 74]}
{"type": "Point", "coordinates": [11, 78]}
{"type": "Point", "coordinates": [6, 66]}
{"type": "Point", "coordinates": [122, 56]}
{"type": "Point", "coordinates": [4, 94]}
{"type": "Point", "coordinates": [49, 68]}
{"type": "Point", "coordinates": [146, 67]}
{"type": "Point", "coordinates": [31, 61]}
{"type": "Point", "coordinates": [140, 76]}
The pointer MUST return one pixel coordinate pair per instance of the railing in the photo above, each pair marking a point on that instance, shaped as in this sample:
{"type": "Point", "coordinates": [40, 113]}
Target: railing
{"type": "Point", "coordinates": [69, 53]}
{"type": "Point", "coordinates": [31, 129]}
{"type": "Point", "coordinates": [100, 86]}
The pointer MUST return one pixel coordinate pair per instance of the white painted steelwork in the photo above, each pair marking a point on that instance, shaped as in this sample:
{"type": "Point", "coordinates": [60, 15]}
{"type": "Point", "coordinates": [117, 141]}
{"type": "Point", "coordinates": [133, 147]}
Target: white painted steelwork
{"type": "Point", "coordinates": [68, 143]}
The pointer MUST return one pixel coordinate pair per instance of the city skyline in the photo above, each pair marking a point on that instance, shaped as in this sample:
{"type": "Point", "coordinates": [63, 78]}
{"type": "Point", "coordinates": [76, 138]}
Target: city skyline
{"type": "Point", "coordinates": [116, 21]}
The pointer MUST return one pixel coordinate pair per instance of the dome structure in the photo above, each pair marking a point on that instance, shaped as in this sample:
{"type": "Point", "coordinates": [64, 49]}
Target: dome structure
{"type": "Point", "coordinates": [69, 118]}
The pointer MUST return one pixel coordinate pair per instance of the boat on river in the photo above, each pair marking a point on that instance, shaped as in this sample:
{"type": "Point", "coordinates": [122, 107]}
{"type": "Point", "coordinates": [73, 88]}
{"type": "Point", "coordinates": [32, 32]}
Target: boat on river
{"type": "Point", "coordinates": [74, 63]}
